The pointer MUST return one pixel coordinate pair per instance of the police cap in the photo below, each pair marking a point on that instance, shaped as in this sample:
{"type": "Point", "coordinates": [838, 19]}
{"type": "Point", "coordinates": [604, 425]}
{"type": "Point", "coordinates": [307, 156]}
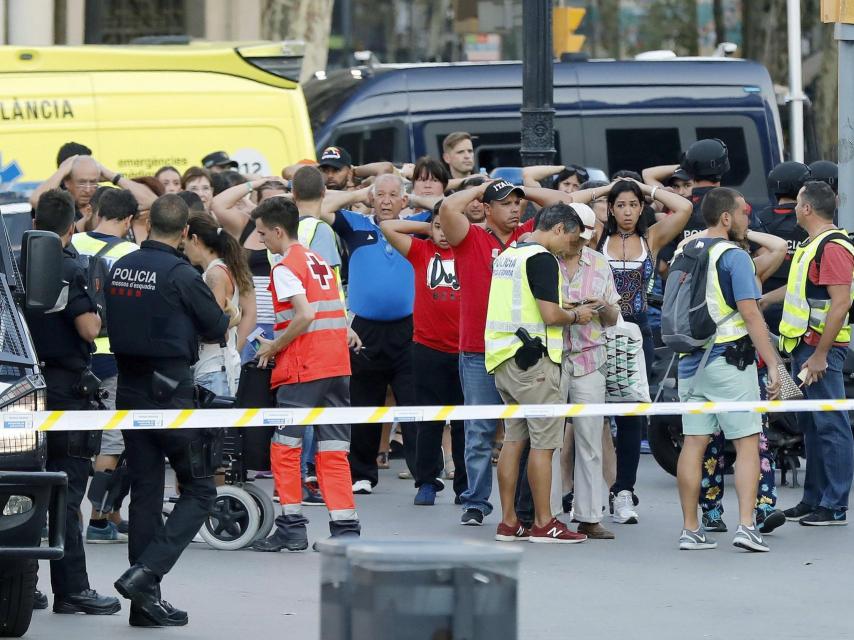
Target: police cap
{"type": "Point", "coordinates": [707, 158]}
{"type": "Point", "coordinates": [787, 178]}
{"type": "Point", "coordinates": [826, 171]}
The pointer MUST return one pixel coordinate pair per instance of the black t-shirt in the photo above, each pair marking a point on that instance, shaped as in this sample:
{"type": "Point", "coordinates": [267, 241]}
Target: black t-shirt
{"type": "Point", "coordinates": [543, 277]}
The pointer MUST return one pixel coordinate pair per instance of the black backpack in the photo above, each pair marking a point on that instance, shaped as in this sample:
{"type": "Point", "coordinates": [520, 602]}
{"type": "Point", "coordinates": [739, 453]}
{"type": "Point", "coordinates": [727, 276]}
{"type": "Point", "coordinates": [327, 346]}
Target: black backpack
{"type": "Point", "coordinates": [97, 277]}
{"type": "Point", "coordinates": [685, 321]}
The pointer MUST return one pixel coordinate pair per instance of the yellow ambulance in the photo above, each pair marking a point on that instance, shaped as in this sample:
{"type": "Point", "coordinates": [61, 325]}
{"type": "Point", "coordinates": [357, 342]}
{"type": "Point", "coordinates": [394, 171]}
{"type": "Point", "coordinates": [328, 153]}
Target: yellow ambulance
{"type": "Point", "coordinates": [141, 107]}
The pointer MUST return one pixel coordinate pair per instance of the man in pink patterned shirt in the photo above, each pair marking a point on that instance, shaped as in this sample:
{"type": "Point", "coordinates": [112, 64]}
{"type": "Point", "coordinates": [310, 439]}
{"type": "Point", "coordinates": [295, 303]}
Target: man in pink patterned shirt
{"type": "Point", "coordinates": [587, 282]}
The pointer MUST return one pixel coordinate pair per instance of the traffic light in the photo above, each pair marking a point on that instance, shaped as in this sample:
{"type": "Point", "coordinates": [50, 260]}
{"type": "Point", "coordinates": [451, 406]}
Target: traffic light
{"type": "Point", "coordinates": [565, 22]}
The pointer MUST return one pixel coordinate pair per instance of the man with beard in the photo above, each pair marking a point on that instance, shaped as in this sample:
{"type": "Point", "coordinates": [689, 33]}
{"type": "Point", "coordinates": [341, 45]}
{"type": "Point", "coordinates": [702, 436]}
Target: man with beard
{"type": "Point", "coordinates": [727, 372]}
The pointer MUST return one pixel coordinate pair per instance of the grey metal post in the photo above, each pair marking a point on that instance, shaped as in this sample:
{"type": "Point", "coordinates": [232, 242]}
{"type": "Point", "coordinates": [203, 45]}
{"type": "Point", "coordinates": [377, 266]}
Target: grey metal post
{"type": "Point", "coordinates": [538, 137]}
{"type": "Point", "coordinates": [845, 36]}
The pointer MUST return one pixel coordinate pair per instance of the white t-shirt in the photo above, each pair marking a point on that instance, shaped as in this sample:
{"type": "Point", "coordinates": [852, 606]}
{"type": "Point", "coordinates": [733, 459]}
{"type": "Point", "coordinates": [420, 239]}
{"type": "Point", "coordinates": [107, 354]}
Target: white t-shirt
{"type": "Point", "coordinates": [286, 284]}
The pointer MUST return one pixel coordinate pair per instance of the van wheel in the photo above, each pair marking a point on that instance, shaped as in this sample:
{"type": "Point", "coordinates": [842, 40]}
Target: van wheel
{"type": "Point", "coordinates": [233, 521]}
{"type": "Point", "coordinates": [17, 590]}
{"type": "Point", "coordinates": [665, 441]}
{"type": "Point", "coordinates": [265, 506]}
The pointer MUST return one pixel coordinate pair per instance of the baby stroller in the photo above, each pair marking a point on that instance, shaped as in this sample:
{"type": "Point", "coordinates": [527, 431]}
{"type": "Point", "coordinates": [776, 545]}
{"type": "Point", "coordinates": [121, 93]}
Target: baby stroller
{"type": "Point", "coordinates": [242, 512]}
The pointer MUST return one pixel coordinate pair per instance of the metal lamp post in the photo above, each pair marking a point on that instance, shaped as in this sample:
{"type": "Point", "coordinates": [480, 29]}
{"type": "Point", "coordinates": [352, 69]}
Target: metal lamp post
{"type": "Point", "coordinates": [537, 89]}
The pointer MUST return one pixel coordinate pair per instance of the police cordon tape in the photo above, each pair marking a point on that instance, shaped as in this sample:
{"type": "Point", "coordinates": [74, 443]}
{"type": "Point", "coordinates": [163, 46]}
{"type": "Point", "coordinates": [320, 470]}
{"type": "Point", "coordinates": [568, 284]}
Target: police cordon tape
{"type": "Point", "coordinates": [208, 418]}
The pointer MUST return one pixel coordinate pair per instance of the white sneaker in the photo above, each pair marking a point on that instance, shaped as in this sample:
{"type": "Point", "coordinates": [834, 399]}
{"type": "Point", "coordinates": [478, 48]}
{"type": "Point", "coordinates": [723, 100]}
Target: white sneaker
{"type": "Point", "coordinates": [362, 487]}
{"type": "Point", "coordinates": [624, 508]}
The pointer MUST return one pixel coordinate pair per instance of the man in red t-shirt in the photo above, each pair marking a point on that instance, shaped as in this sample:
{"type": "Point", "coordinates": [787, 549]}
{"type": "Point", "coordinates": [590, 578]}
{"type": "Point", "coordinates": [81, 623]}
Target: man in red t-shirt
{"type": "Point", "coordinates": [435, 347]}
{"type": "Point", "coordinates": [475, 248]}
{"type": "Point", "coordinates": [819, 353]}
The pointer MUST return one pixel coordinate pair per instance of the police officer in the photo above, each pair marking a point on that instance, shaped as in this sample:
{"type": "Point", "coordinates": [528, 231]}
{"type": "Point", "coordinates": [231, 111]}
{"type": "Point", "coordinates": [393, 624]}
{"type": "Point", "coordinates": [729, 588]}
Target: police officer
{"type": "Point", "coordinates": [158, 305]}
{"type": "Point", "coordinates": [705, 162]}
{"type": "Point", "coordinates": [784, 182]}
{"type": "Point", "coordinates": [63, 340]}
{"type": "Point", "coordinates": [827, 172]}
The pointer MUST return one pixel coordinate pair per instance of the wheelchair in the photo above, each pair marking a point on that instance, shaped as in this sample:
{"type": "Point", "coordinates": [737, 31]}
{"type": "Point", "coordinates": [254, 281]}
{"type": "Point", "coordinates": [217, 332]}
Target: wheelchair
{"type": "Point", "coordinates": [242, 512]}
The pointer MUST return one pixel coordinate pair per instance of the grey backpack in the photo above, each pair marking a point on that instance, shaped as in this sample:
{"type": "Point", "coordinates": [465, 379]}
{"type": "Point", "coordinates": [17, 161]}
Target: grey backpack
{"type": "Point", "coordinates": [686, 324]}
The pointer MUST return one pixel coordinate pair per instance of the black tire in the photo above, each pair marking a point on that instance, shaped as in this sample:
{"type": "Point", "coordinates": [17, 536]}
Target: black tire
{"type": "Point", "coordinates": [665, 441]}
{"type": "Point", "coordinates": [17, 590]}
{"type": "Point", "coordinates": [265, 506]}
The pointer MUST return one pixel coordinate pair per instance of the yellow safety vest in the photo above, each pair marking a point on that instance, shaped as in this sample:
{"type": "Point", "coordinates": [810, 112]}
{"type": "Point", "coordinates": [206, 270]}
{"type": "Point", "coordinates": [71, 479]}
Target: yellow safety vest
{"type": "Point", "coordinates": [730, 325]}
{"type": "Point", "coordinates": [513, 306]}
{"type": "Point", "coordinates": [800, 311]}
{"type": "Point", "coordinates": [86, 245]}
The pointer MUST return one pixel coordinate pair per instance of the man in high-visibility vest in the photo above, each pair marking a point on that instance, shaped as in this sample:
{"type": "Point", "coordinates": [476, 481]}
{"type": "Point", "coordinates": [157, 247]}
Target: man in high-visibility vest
{"type": "Point", "coordinates": [116, 209]}
{"type": "Point", "coordinates": [312, 369]}
{"type": "Point", "coordinates": [523, 348]}
{"type": "Point", "coordinates": [816, 330]}
{"type": "Point", "coordinates": [725, 370]}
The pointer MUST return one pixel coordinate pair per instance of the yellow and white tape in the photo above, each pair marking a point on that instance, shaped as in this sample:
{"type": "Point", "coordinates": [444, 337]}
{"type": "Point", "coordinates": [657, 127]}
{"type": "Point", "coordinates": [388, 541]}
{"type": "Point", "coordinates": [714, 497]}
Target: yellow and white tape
{"type": "Point", "coordinates": [206, 418]}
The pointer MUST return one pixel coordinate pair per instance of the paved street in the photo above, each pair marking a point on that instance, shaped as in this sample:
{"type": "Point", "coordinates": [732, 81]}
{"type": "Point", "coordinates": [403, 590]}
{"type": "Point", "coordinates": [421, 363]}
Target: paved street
{"type": "Point", "coordinates": [638, 586]}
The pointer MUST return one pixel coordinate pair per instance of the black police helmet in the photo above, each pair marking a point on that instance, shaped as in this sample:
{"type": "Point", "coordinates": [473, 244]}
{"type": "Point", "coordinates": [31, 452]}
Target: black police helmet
{"type": "Point", "coordinates": [826, 171]}
{"type": "Point", "coordinates": [706, 158]}
{"type": "Point", "coordinates": [787, 178]}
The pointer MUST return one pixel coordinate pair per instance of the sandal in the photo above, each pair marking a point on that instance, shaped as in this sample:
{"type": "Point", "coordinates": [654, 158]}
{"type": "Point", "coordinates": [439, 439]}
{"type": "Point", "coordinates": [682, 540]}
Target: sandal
{"type": "Point", "coordinates": [382, 460]}
{"type": "Point", "coordinates": [496, 451]}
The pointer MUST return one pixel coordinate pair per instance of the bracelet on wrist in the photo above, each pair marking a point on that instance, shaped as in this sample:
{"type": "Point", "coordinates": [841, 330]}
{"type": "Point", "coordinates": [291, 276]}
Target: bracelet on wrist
{"type": "Point", "coordinates": [652, 194]}
{"type": "Point", "coordinates": [249, 186]}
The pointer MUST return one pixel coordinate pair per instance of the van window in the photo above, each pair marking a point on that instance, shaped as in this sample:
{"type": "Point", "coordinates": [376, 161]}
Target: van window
{"type": "Point", "coordinates": [637, 149]}
{"type": "Point", "coordinates": [733, 138]}
{"type": "Point", "coordinates": [371, 143]}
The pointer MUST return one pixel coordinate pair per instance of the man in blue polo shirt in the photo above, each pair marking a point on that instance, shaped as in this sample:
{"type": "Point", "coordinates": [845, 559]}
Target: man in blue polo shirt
{"type": "Point", "coordinates": [380, 295]}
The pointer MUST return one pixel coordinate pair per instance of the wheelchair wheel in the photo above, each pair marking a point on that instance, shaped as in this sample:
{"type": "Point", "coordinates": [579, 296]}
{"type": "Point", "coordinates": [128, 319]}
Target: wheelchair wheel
{"type": "Point", "coordinates": [233, 521]}
{"type": "Point", "coordinates": [265, 506]}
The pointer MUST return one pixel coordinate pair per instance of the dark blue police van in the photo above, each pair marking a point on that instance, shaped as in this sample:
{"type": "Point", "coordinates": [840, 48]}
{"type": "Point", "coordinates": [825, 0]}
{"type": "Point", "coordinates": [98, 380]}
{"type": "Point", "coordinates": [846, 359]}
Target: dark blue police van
{"type": "Point", "coordinates": [609, 114]}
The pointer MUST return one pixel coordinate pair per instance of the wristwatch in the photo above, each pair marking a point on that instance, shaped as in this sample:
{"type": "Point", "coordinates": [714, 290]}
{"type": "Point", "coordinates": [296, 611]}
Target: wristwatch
{"type": "Point", "coordinates": [116, 179]}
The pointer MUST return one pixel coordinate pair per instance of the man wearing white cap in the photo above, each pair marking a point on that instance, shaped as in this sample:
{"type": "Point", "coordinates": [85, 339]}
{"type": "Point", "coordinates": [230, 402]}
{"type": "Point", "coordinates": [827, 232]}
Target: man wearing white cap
{"type": "Point", "coordinates": [587, 283]}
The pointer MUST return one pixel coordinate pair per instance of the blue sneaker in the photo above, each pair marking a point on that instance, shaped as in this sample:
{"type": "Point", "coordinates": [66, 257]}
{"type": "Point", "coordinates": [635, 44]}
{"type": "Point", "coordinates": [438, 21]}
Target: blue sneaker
{"type": "Point", "coordinates": [426, 495]}
{"type": "Point", "coordinates": [106, 535]}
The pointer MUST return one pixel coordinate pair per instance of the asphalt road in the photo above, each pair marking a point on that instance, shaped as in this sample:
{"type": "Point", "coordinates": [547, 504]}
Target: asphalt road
{"type": "Point", "coordinates": [638, 586]}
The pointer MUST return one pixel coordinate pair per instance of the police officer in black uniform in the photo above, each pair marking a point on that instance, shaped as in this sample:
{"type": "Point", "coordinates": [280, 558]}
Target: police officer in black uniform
{"type": "Point", "coordinates": [64, 342]}
{"type": "Point", "coordinates": [826, 171]}
{"type": "Point", "coordinates": [784, 182]}
{"type": "Point", "coordinates": [705, 162]}
{"type": "Point", "coordinates": [158, 306]}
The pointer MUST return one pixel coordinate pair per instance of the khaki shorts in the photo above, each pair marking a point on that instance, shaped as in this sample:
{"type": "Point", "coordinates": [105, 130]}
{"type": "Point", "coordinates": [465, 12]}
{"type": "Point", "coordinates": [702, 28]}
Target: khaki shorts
{"type": "Point", "coordinates": [722, 382]}
{"type": "Point", "coordinates": [538, 385]}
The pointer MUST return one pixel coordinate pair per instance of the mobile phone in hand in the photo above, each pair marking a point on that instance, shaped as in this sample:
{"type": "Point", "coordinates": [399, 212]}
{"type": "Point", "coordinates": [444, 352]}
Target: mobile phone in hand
{"type": "Point", "coordinates": [253, 340]}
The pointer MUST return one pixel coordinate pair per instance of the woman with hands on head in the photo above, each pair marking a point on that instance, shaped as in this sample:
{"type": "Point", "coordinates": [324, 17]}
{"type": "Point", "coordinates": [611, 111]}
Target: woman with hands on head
{"type": "Point", "coordinates": [631, 248]}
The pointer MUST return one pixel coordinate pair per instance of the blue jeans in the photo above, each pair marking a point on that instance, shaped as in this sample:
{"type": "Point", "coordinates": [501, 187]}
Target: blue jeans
{"type": "Point", "coordinates": [309, 447]}
{"type": "Point", "coordinates": [827, 435]}
{"type": "Point", "coordinates": [478, 388]}
{"type": "Point", "coordinates": [215, 381]}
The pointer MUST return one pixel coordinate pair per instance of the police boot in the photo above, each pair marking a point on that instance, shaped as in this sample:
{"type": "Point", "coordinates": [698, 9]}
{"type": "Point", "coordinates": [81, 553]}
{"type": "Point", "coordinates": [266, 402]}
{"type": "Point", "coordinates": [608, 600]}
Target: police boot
{"type": "Point", "coordinates": [142, 587]}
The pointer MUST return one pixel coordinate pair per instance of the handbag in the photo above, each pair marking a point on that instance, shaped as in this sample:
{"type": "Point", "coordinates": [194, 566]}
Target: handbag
{"type": "Point", "coordinates": [789, 390]}
{"type": "Point", "coordinates": [625, 364]}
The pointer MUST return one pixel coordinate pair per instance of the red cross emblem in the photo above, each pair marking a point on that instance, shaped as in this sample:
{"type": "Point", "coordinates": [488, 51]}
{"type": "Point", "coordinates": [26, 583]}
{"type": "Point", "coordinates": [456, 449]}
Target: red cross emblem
{"type": "Point", "coordinates": [320, 271]}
